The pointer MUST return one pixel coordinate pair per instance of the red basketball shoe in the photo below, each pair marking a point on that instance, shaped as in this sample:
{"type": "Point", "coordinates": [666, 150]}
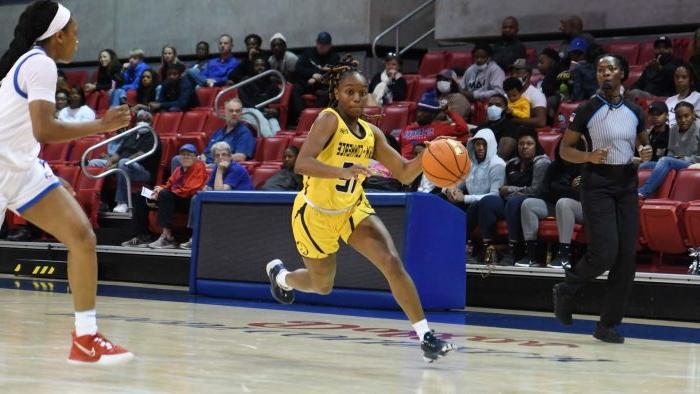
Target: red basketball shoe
{"type": "Point", "coordinates": [96, 349]}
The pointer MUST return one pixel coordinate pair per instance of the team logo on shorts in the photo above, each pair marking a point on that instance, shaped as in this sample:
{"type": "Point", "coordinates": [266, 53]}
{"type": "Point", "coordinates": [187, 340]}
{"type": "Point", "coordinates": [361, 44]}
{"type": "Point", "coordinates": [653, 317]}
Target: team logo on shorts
{"type": "Point", "coordinates": [302, 248]}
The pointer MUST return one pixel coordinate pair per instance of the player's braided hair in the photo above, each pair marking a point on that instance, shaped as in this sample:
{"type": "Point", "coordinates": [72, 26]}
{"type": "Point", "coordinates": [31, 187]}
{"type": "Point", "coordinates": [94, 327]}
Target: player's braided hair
{"type": "Point", "coordinates": [347, 65]}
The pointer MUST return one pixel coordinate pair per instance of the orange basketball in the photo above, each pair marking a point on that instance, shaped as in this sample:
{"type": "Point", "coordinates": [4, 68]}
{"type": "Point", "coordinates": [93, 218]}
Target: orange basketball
{"type": "Point", "coordinates": [446, 162]}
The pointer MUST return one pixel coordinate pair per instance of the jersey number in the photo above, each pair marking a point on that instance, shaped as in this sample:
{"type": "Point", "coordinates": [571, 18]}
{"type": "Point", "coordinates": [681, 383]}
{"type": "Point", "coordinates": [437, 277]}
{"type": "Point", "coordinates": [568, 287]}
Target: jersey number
{"type": "Point", "coordinates": [348, 184]}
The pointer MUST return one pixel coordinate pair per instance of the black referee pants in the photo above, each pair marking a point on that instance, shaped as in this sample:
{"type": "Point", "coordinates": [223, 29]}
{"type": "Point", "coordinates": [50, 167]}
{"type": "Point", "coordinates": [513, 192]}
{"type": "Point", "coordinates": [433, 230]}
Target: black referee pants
{"type": "Point", "coordinates": [611, 210]}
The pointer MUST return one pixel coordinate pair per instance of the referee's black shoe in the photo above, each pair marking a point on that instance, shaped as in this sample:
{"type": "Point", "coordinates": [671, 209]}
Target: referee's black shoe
{"type": "Point", "coordinates": [607, 334]}
{"type": "Point", "coordinates": [434, 348]}
{"type": "Point", "coordinates": [563, 308]}
{"type": "Point", "coordinates": [282, 296]}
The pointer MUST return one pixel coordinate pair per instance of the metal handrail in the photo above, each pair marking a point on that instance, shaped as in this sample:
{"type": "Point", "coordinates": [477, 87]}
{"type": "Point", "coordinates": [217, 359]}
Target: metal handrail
{"type": "Point", "coordinates": [253, 79]}
{"type": "Point", "coordinates": [396, 25]}
{"type": "Point", "coordinates": [123, 135]}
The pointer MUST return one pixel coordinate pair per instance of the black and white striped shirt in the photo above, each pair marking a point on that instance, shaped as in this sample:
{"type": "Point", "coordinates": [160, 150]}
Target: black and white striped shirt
{"type": "Point", "coordinates": [613, 126]}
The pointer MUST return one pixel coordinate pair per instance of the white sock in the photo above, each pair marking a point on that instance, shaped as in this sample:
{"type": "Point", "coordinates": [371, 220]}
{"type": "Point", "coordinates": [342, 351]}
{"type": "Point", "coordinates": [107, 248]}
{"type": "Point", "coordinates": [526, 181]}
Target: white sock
{"type": "Point", "coordinates": [282, 280]}
{"type": "Point", "coordinates": [421, 328]}
{"type": "Point", "coordinates": [85, 323]}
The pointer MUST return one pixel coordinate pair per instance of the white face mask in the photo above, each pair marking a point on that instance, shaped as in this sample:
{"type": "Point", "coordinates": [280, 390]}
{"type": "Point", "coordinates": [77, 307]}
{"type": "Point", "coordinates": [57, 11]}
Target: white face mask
{"type": "Point", "coordinates": [494, 112]}
{"type": "Point", "coordinates": [444, 86]}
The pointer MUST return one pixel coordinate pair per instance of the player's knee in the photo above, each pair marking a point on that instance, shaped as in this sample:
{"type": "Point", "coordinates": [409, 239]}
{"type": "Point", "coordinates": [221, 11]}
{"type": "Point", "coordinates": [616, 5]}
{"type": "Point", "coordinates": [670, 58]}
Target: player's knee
{"type": "Point", "coordinates": [82, 238]}
{"type": "Point", "coordinates": [391, 265]}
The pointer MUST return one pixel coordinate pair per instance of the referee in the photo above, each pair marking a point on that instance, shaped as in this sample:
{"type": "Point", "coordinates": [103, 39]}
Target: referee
{"type": "Point", "coordinates": [612, 128]}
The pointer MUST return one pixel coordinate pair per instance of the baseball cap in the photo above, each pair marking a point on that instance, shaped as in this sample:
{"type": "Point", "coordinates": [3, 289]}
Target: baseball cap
{"type": "Point", "coordinates": [324, 37]}
{"type": "Point", "coordinates": [520, 64]}
{"type": "Point", "coordinates": [447, 74]}
{"type": "Point", "coordinates": [429, 102]}
{"type": "Point", "coordinates": [188, 148]}
{"type": "Point", "coordinates": [578, 44]}
{"type": "Point", "coordinates": [657, 108]}
{"type": "Point", "coordinates": [663, 41]}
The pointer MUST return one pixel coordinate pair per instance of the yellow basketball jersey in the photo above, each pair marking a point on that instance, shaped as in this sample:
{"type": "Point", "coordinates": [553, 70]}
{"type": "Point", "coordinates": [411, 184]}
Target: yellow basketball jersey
{"type": "Point", "coordinates": [343, 150]}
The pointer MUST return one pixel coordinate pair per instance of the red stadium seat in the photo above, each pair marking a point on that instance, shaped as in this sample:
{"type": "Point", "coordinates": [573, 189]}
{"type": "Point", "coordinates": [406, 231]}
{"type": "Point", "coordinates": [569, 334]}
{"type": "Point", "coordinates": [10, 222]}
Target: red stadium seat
{"type": "Point", "coordinates": [212, 124]}
{"type": "Point", "coordinates": [196, 139]}
{"type": "Point", "coordinates": [634, 74]}
{"type": "Point", "coordinates": [55, 153]}
{"type": "Point", "coordinates": [531, 55]}
{"type": "Point", "coordinates": [206, 97]}
{"type": "Point", "coordinates": [691, 221]}
{"type": "Point", "coordinates": [167, 123]}
{"type": "Point", "coordinates": [168, 150]}
{"type": "Point", "coordinates": [566, 109]}
{"type": "Point", "coordinates": [459, 60]}
{"type": "Point", "coordinates": [224, 98]}
{"type": "Point", "coordinates": [550, 143]}
{"type": "Point", "coordinates": [250, 165]}
{"type": "Point", "coordinates": [628, 50]}
{"type": "Point", "coordinates": [262, 174]}
{"type": "Point", "coordinates": [646, 53]}
{"type": "Point", "coordinates": [548, 231]}
{"type": "Point", "coordinates": [395, 118]}
{"type": "Point", "coordinates": [664, 191]}
{"type": "Point", "coordinates": [478, 115]}
{"type": "Point", "coordinates": [680, 47]}
{"type": "Point", "coordinates": [91, 99]}
{"type": "Point", "coordinates": [69, 173]}
{"type": "Point", "coordinates": [76, 78]}
{"type": "Point", "coordinates": [297, 141]}
{"type": "Point", "coordinates": [411, 81]}
{"type": "Point", "coordinates": [272, 149]}
{"type": "Point", "coordinates": [432, 63]}
{"type": "Point", "coordinates": [193, 122]}
{"type": "Point", "coordinates": [80, 146]}
{"type": "Point", "coordinates": [423, 85]}
{"type": "Point", "coordinates": [283, 106]}
{"type": "Point", "coordinates": [373, 115]}
{"type": "Point", "coordinates": [131, 97]}
{"type": "Point", "coordinates": [307, 118]}
{"type": "Point", "coordinates": [87, 192]}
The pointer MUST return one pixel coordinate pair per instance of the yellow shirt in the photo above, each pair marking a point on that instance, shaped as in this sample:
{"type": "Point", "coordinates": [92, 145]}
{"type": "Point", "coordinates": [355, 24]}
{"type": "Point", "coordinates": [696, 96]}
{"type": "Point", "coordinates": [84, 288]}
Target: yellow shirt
{"type": "Point", "coordinates": [343, 150]}
{"type": "Point", "coordinates": [520, 108]}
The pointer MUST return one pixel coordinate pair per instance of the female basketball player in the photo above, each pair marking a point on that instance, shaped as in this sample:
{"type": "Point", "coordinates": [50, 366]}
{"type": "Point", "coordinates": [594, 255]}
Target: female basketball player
{"type": "Point", "coordinates": [45, 34]}
{"type": "Point", "coordinates": [332, 204]}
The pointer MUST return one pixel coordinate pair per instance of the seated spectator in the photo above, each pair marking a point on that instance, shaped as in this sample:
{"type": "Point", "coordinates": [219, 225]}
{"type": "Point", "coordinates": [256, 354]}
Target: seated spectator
{"type": "Point", "coordinates": [580, 80]}
{"type": "Point", "coordinates": [536, 99]}
{"type": "Point", "coordinates": [389, 85]}
{"type": "Point", "coordinates": [201, 60]}
{"type": "Point", "coordinates": [486, 176]}
{"type": "Point", "coordinates": [426, 128]}
{"type": "Point", "coordinates": [559, 197]}
{"type": "Point", "coordinates": [257, 92]}
{"type": "Point", "coordinates": [684, 79]}
{"type": "Point", "coordinates": [657, 77]}
{"type": "Point", "coordinates": [61, 100]}
{"type": "Point", "coordinates": [550, 67]}
{"type": "Point", "coordinates": [61, 82]}
{"type": "Point", "coordinates": [449, 96]}
{"type": "Point", "coordinates": [694, 56]}
{"type": "Point", "coordinates": [227, 175]}
{"type": "Point", "coordinates": [281, 59]}
{"type": "Point", "coordinates": [286, 178]}
{"type": "Point", "coordinates": [109, 73]}
{"type": "Point", "coordinates": [235, 133]}
{"type": "Point", "coordinates": [658, 133]}
{"type": "Point", "coordinates": [502, 125]}
{"type": "Point", "coordinates": [313, 64]}
{"type": "Point", "coordinates": [683, 149]}
{"type": "Point", "coordinates": [484, 77]}
{"type": "Point", "coordinates": [177, 91]}
{"type": "Point", "coordinates": [187, 179]}
{"type": "Point", "coordinates": [147, 91]}
{"type": "Point", "coordinates": [168, 57]}
{"type": "Point", "coordinates": [524, 178]}
{"type": "Point", "coordinates": [131, 77]}
{"type": "Point", "coordinates": [518, 106]}
{"type": "Point", "coordinates": [217, 70]}
{"type": "Point", "coordinates": [509, 48]}
{"type": "Point", "coordinates": [572, 27]}
{"type": "Point", "coordinates": [253, 45]}
{"type": "Point", "coordinates": [76, 111]}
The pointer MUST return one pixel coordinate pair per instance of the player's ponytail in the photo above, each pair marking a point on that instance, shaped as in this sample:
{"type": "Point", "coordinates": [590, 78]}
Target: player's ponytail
{"type": "Point", "coordinates": [33, 22]}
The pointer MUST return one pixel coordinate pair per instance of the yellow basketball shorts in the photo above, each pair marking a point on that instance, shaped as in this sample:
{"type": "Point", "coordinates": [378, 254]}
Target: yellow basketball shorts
{"type": "Point", "coordinates": [317, 233]}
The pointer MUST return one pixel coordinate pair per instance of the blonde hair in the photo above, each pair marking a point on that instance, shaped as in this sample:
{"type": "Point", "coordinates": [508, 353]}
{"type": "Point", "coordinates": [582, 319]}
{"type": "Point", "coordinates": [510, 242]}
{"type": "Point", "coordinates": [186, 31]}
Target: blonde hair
{"type": "Point", "coordinates": [137, 53]}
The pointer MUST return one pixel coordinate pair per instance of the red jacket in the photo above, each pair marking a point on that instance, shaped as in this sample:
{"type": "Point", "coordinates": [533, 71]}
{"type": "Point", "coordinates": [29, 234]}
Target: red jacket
{"type": "Point", "coordinates": [186, 184]}
{"type": "Point", "coordinates": [415, 134]}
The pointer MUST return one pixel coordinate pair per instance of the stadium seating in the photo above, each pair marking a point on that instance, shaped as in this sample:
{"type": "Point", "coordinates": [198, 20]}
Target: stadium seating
{"type": "Point", "coordinates": [192, 122]}
{"type": "Point", "coordinates": [55, 153]}
{"type": "Point", "coordinates": [80, 146]}
{"type": "Point", "coordinates": [633, 75]}
{"type": "Point", "coordinates": [88, 194]}
{"type": "Point", "coordinates": [283, 106]}
{"type": "Point", "coordinates": [646, 53]}
{"type": "Point", "coordinates": [550, 143]}
{"type": "Point", "coordinates": [628, 50]}
{"type": "Point", "coordinates": [262, 174]}
{"type": "Point", "coordinates": [432, 63]}
{"type": "Point", "coordinates": [395, 118]}
{"type": "Point", "coordinates": [307, 118]}
{"type": "Point", "coordinates": [76, 78]}
{"type": "Point", "coordinates": [206, 96]}
{"type": "Point", "coordinates": [566, 109]}
{"type": "Point", "coordinates": [422, 85]}
{"type": "Point", "coordinates": [459, 60]}
{"type": "Point", "coordinates": [167, 123]}
{"type": "Point", "coordinates": [297, 141]}
{"type": "Point", "coordinates": [212, 124]}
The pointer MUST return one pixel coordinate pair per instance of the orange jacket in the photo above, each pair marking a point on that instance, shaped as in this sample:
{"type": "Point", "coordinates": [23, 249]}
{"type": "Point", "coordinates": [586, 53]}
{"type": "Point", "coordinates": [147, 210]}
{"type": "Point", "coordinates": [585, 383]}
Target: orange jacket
{"type": "Point", "coordinates": [186, 184]}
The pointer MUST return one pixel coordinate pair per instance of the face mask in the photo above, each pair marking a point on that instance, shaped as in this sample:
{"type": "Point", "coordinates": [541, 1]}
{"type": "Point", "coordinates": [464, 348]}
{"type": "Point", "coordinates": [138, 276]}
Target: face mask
{"type": "Point", "coordinates": [444, 86]}
{"type": "Point", "coordinates": [482, 67]}
{"type": "Point", "coordinates": [494, 112]}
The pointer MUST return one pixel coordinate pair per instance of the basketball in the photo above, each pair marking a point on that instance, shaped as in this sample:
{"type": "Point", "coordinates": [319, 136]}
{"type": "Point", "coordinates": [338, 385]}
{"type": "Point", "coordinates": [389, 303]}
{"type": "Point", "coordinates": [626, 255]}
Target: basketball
{"type": "Point", "coordinates": [446, 162]}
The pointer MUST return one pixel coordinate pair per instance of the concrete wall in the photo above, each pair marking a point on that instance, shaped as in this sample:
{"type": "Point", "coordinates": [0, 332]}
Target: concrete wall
{"type": "Point", "coordinates": [457, 19]}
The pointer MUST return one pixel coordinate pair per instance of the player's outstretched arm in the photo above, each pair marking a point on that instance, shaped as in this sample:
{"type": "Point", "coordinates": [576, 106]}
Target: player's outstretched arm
{"type": "Point", "coordinates": [321, 132]}
{"type": "Point", "coordinates": [49, 130]}
{"type": "Point", "coordinates": [404, 170]}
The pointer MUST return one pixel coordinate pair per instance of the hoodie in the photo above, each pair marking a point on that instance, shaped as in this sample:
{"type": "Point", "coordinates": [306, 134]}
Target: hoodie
{"type": "Point", "coordinates": [487, 177]}
{"type": "Point", "coordinates": [483, 84]}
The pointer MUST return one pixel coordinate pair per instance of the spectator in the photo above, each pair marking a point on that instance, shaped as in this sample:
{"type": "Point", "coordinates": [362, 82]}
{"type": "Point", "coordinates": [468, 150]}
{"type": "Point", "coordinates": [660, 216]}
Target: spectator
{"type": "Point", "coordinates": [536, 99]}
{"type": "Point", "coordinates": [108, 73]}
{"type": "Point", "coordinates": [217, 70]}
{"type": "Point", "coordinates": [694, 56]}
{"type": "Point", "coordinates": [524, 179]}
{"type": "Point", "coordinates": [177, 91]}
{"type": "Point", "coordinates": [253, 45]}
{"type": "Point", "coordinates": [684, 79]}
{"type": "Point", "coordinates": [449, 96]}
{"type": "Point", "coordinates": [201, 58]}
{"type": "Point", "coordinates": [426, 128]}
{"type": "Point", "coordinates": [484, 77]}
{"type": "Point", "coordinates": [147, 91]}
{"type": "Point", "coordinates": [131, 77]}
{"type": "Point", "coordinates": [187, 179]}
{"type": "Point", "coordinates": [313, 64]}
{"type": "Point", "coordinates": [281, 59]}
{"type": "Point", "coordinates": [509, 48]}
{"type": "Point", "coordinates": [502, 125]}
{"type": "Point", "coordinates": [657, 77]}
{"type": "Point", "coordinates": [658, 133]}
{"type": "Point", "coordinates": [257, 92]}
{"type": "Point", "coordinates": [580, 79]}
{"type": "Point", "coordinates": [61, 82]}
{"type": "Point", "coordinates": [550, 67]}
{"type": "Point", "coordinates": [518, 106]}
{"type": "Point", "coordinates": [227, 175]}
{"type": "Point", "coordinates": [286, 178]}
{"type": "Point", "coordinates": [61, 100]}
{"type": "Point", "coordinates": [485, 177]}
{"type": "Point", "coordinates": [235, 133]}
{"type": "Point", "coordinates": [76, 111]}
{"type": "Point", "coordinates": [168, 57]}
{"type": "Point", "coordinates": [683, 149]}
{"type": "Point", "coordinates": [572, 27]}
{"type": "Point", "coordinates": [560, 197]}
{"type": "Point", "coordinates": [389, 85]}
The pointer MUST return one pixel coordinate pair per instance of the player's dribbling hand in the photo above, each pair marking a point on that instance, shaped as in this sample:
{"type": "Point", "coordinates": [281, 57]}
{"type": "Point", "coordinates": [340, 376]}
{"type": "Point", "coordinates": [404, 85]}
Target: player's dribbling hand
{"type": "Point", "coordinates": [355, 171]}
{"type": "Point", "coordinates": [598, 156]}
{"type": "Point", "coordinates": [116, 118]}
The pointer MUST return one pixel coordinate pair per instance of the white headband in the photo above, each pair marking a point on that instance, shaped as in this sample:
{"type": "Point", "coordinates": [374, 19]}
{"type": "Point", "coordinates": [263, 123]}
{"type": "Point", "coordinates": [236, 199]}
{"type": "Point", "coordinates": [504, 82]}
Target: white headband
{"type": "Point", "coordinates": [57, 24]}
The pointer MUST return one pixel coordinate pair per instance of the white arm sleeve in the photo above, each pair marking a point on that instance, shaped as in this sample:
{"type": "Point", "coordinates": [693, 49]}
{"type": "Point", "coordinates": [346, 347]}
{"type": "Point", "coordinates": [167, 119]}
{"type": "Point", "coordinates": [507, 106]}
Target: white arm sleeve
{"type": "Point", "coordinates": [37, 77]}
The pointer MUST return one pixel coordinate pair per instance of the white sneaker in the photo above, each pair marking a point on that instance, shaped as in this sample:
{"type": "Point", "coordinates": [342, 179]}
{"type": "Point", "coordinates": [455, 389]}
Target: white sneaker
{"type": "Point", "coordinates": [121, 208]}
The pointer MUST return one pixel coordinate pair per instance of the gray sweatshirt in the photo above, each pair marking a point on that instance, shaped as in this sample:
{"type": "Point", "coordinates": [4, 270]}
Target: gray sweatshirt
{"type": "Point", "coordinates": [685, 146]}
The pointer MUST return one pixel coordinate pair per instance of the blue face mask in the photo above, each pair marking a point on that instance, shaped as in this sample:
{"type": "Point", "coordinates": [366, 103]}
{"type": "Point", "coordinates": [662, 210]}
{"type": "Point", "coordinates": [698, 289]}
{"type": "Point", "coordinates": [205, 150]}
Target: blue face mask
{"type": "Point", "coordinates": [494, 112]}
